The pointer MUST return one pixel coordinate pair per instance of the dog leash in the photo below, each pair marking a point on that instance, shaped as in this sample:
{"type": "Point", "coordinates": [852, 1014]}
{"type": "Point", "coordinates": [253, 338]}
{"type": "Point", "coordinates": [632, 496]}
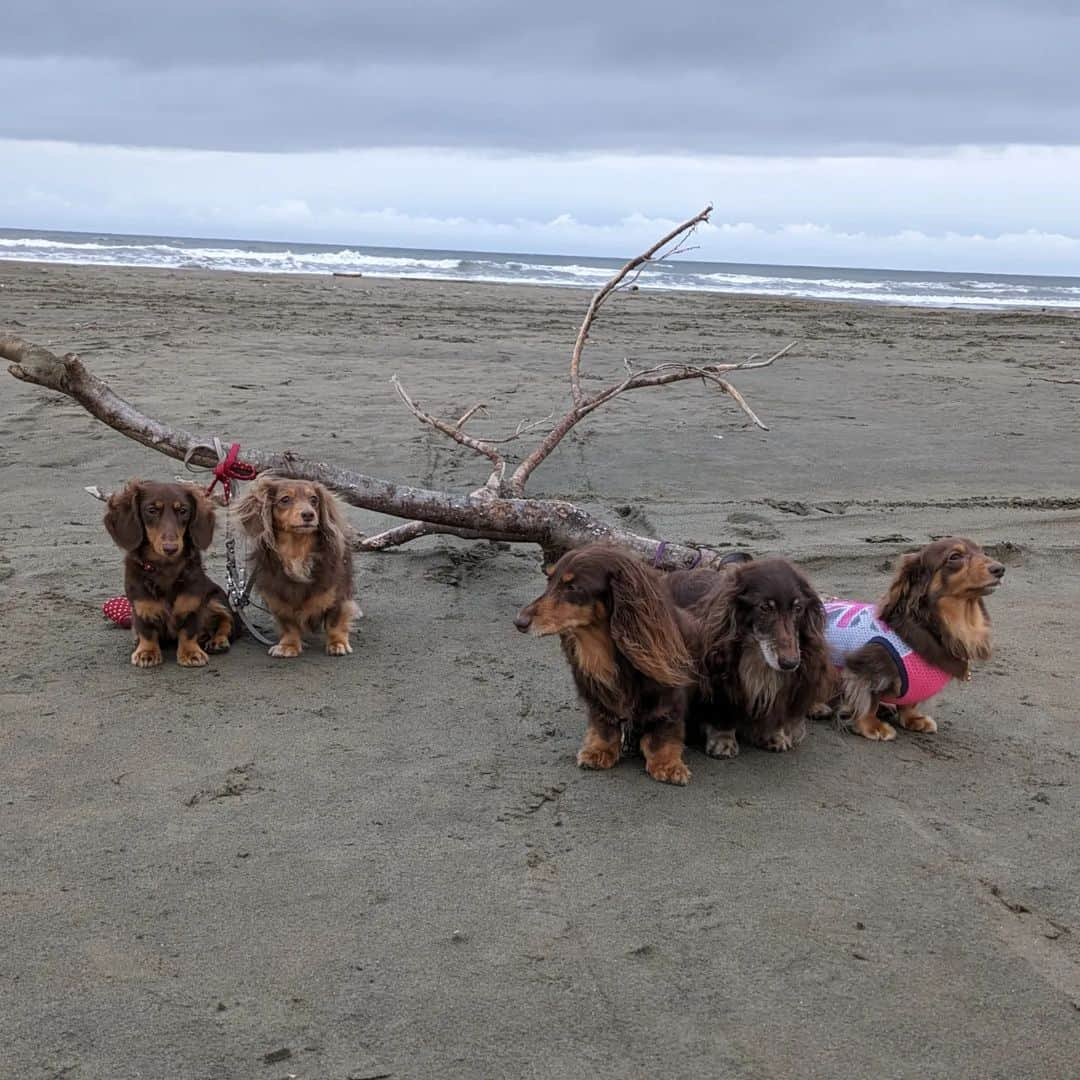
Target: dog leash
{"type": "Point", "coordinates": [238, 583]}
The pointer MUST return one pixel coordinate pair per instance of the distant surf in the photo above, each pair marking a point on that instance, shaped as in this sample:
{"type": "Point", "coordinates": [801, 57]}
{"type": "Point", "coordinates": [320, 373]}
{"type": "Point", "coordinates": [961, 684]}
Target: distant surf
{"type": "Point", "coordinates": [922, 288]}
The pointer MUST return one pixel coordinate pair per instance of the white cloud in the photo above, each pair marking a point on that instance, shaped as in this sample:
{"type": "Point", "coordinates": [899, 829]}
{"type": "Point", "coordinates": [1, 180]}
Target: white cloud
{"type": "Point", "coordinates": [998, 210]}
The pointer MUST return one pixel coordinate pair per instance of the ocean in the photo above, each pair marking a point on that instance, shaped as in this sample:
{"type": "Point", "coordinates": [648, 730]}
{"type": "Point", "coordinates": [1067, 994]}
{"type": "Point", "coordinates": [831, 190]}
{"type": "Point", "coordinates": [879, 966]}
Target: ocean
{"type": "Point", "coordinates": [923, 288]}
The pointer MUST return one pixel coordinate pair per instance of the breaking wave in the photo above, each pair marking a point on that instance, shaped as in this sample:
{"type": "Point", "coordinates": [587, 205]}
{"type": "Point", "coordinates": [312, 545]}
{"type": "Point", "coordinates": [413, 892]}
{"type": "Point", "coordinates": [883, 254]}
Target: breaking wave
{"type": "Point", "coordinates": [881, 286]}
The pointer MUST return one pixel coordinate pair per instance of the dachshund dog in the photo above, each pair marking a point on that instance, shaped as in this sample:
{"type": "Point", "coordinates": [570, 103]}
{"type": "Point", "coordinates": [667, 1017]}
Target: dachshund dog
{"type": "Point", "coordinates": [762, 655]}
{"type": "Point", "coordinates": [301, 561]}
{"type": "Point", "coordinates": [930, 626]}
{"type": "Point", "coordinates": [623, 639]}
{"type": "Point", "coordinates": [164, 528]}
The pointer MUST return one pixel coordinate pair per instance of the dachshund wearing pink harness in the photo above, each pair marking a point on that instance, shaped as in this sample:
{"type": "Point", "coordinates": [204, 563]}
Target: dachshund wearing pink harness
{"type": "Point", "coordinates": [924, 634]}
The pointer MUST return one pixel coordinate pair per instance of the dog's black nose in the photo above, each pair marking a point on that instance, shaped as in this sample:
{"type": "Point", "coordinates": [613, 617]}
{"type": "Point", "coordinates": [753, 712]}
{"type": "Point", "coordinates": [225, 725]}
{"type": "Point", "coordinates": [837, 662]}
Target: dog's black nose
{"type": "Point", "coordinates": [308, 515]}
{"type": "Point", "coordinates": [523, 622]}
{"type": "Point", "coordinates": [997, 570]}
{"type": "Point", "coordinates": [789, 663]}
{"type": "Point", "coordinates": [170, 549]}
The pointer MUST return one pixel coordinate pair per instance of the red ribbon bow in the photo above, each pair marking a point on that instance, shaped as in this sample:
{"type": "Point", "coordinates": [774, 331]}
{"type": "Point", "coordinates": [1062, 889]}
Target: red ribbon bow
{"type": "Point", "coordinates": [229, 469]}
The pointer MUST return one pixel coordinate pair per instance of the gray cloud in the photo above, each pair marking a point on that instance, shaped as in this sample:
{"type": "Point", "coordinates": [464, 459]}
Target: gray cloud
{"type": "Point", "coordinates": [699, 77]}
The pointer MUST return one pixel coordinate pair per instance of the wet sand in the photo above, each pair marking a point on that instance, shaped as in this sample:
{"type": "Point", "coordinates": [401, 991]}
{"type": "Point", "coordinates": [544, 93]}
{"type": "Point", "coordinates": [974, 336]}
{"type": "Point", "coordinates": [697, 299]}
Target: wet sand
{"type": "Point", "coordinates": [388, 864]}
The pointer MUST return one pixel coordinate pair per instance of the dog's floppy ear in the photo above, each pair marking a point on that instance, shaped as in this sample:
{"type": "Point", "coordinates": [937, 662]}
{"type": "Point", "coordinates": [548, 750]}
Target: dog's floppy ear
{"type": "Point", "coordinates": [908, 589]}
{"type": "Point", "coordinates": [332, 523]}
{"type": "Point", "coordinates": [203, 519]}
{"type": "Point", "coordinates": [643, 625]}
{"type": "Point", "coordinates": [122, 517]}
{"type": "Point", "coordinates": [255, 511]}
{"type": "Point", "coordinates": [720, 624]}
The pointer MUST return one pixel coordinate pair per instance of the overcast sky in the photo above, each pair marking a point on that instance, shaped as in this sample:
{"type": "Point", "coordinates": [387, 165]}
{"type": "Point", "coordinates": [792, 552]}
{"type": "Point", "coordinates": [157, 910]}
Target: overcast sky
{"type": "Point", "coordinates": [924, 135]}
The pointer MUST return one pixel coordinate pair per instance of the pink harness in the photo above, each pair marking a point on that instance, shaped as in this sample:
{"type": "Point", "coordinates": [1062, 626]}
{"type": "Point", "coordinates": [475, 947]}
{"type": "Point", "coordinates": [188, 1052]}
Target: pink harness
{"type": "Point", "coordinates": [850, 625]}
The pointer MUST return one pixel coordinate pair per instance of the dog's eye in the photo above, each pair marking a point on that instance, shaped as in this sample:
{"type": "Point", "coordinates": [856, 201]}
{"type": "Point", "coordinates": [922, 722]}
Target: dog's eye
{"type": "Point", "coordinates": [797, 607]}
{"type": "Point", "coordinates": [183, 511]}
{"type": "Point", "coordinates": [151, 511]}
{"type": "Point", "coordinates": [314, 500]}
{"type": "Point", "coordinates": [284, 500]}
{"type": "Point", "coordinates": [956, 556]}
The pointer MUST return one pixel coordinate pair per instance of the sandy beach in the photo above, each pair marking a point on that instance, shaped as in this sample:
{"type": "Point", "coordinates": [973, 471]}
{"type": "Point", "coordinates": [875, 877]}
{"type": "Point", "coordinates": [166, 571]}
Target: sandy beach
{"type": "Point", "coordinates": [388, 865]}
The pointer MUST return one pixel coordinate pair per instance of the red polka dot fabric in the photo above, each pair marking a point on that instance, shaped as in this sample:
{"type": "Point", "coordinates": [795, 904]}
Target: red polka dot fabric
{"type": "Point", "coordinates": [118, 610]}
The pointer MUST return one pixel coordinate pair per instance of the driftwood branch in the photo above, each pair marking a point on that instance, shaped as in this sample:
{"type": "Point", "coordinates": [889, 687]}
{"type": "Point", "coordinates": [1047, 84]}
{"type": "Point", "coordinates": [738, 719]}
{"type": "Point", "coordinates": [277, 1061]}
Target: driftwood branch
{"type": "Point", "coordinates": [554, 525]}
{"type": "Point", "coordinates": [499, 509]}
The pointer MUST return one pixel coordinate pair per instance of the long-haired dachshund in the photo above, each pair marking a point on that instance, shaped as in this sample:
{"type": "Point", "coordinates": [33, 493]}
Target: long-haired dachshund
{"type": "Point", "coordinates": [164, 528]}
{"type": "Point", "coordinates": [621, 636]}
{"type": "Point", "coordinates": [762, 655]}
{"type": "Point", "coordinates": [301, 561]}
{"type": "Point", "coordinates": [930, 626]}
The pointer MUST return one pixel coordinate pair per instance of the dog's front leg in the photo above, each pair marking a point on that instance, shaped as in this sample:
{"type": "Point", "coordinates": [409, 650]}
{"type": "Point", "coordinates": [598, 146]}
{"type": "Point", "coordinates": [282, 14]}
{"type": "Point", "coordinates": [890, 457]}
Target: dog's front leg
{"type": "Point", "coordinates": [338, 623]}
{"type": "Point", "coordinates": [719, 742]}
{"type": "Point", "coordinates": [914, 719]}
{"type": "Point", "coordinates": [290, 643]}
{"type": "Point", "coordinates": [221, 628]}
{"type": "Point", "coordinates": [187, 610]}
{"type": "Point", "coordinates": [662, 743]}
{"type": "Point", "coordinates": [602, 743]}
{"type": "Point", "coordinates": [781, 733]}
{"type": "Point", "coordinates": [869, 726]}
{"type": "Point", "coordinates": [147, 620]}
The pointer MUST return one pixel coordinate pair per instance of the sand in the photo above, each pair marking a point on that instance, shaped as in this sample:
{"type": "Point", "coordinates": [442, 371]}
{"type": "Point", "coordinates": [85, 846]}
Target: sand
{"type": "Point", "coordinates": [388, 864]}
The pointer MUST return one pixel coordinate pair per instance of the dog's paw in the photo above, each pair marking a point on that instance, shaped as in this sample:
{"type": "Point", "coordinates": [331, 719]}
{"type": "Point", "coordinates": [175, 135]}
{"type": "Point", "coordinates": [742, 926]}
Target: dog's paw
{"type": "Point", "coordinates": [778, 742]}
{"type": "Point", "coordinates": [284, 649]}
{"type": "Point", "coordinates": [597, 757]}
{"type": "Point", "coordinates": [219, 645]}
{"type": "Point", "coordinates": [870, 727]}
{"type": "Point", "coordinates": [147, 656]}
{"type": "Point", "coordinates": [721, 744]}
{"type": "Point", "coordinates": [822, 711]}
{"type": "Point", "coordinates": [669, 771]}
{"type": "Point", "coordinates": [191, 656]}
{"type": "Point", "coordinates": [338, 648]}
{"type": "Point", "coordinates": [918, 722]}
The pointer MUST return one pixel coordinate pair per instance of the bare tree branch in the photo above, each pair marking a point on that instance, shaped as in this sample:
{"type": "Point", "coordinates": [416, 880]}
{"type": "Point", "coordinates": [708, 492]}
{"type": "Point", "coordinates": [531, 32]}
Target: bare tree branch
{"type": "Point", "coordinates": [469, 413]}
{"type": "Point", "coordinates": [607, 289]}
{"type": "Point", "coordinates": [658, 376]}
{"type": "Point", "coordinates": [454, 431]}
{"type": "Point", "coordinates": [404, 534]}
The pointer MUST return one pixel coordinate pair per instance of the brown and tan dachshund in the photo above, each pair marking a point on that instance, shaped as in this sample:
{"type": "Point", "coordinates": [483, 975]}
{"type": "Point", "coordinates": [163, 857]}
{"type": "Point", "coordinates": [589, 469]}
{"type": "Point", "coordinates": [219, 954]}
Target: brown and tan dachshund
{"type": "Point", "coordinates": [762, 654]}
{"type": "Point", "coordinates": [935, 606]}
{"type": "Point", "coordinates": [164, 528]}
{"type": "Point", "coordinates": [623, 639]}
{"type": "Point", "coordinates": [301, 560]}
